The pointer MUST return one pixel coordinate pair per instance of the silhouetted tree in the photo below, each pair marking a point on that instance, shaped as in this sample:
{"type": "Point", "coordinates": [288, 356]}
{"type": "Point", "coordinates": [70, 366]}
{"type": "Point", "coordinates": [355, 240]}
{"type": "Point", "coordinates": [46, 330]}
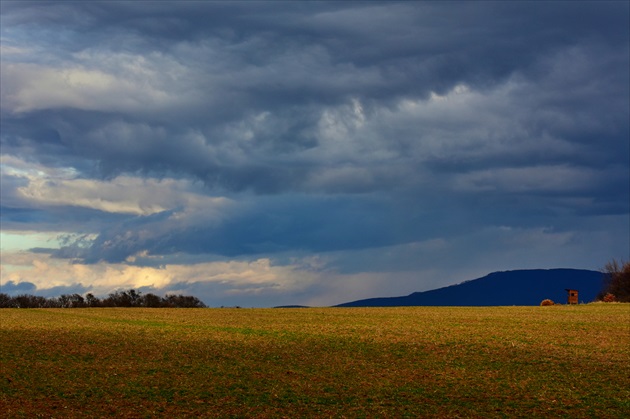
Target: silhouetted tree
{"type": "Point", "coordinates": [39, 302]}
{"type": "Point", "coordinates": [135, 297]}
{"type": "Point", "coordinates": [121, 299]}
{"type": "Point", "coordinates": [29, 301]}
{"type": "Point", "coordinates": [91, 300]}
{"type": "Point", "coordinates": [617, 281]}
{"type": "Point", "coordinates": [151, 300]}
{"type": "Point", "coordinates": [76, 301]}
{"type": "Point", "coordinates": [183, 301]}
{"type": "Point", "coordinates": [65, 301]}
{"type": "Point", "coordinates": [6, 301]}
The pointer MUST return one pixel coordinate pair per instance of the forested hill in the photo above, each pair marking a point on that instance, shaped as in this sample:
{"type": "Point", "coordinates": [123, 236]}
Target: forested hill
{"type": "Point", "coordinates": [521, 287]}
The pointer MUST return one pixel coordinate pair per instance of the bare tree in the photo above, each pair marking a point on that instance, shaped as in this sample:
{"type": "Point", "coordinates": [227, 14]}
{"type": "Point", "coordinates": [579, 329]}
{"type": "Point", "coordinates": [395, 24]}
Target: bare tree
{"type": "Point", "coordinates": [617, 281]}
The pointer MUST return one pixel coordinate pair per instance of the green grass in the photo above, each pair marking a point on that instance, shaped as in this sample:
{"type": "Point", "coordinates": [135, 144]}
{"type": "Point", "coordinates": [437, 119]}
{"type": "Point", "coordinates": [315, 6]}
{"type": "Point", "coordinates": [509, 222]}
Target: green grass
{"type": "Point", "coordinates": [330, 362]}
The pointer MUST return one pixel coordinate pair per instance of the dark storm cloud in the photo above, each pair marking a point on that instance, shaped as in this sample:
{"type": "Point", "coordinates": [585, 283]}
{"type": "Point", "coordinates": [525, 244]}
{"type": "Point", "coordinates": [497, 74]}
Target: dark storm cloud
{"type": "Point", "coordinates": [270, 226]}
{"type": "Point", "coordinates": [333, 125]}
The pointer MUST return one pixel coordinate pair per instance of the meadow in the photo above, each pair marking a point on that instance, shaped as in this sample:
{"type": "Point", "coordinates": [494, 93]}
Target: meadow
{"type": "Point", "coordinates": [318, 362]}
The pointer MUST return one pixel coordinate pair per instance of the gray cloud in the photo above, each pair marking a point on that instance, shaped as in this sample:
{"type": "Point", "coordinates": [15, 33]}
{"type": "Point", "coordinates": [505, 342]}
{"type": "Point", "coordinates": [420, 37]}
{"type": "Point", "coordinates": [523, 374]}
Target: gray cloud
{"type": "Point", "coordinates": [15, 289]}
{"type": "Point", "coordinates": [12, 288]}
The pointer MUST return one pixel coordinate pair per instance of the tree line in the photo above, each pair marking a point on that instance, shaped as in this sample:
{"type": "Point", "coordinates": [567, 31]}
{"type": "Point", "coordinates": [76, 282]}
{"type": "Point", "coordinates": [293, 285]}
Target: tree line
{"type": "Point", "coordinates": [129, 298]}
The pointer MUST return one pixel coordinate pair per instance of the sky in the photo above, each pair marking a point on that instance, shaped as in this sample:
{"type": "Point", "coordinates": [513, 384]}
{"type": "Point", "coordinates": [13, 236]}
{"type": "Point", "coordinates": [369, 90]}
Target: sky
{"type": "Point", "coordinates": [273, 153]}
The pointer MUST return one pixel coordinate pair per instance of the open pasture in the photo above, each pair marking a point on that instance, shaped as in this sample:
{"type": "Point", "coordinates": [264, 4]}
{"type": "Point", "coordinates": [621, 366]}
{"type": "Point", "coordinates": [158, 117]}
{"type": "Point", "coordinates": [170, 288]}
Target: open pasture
{"type": "Point", "coordinates": [318, 362]}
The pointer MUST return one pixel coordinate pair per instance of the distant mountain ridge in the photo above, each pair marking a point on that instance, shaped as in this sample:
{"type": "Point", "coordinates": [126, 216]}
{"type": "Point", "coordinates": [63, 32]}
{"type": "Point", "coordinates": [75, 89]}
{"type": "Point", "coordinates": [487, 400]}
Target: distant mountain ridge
{"type": "Point", "coordinates": [507, 288]}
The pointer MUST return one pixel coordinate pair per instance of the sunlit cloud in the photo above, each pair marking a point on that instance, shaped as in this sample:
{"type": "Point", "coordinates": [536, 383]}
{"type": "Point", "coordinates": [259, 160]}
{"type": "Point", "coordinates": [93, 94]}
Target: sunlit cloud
{"type": "Point", "coordinates": [123, 194]}
{"type": "Point", "coordinates": [230, 278]}
{"type": "Point", "coordinates": [94, 81]}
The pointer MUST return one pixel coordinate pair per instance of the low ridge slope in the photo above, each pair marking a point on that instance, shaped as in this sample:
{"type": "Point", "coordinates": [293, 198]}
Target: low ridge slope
{"type": "Point", "coordinates": [520, 287]}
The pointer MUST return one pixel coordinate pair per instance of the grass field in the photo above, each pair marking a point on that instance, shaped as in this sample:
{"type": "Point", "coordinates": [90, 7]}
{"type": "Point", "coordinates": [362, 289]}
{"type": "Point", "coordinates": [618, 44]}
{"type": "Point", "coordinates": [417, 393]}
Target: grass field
{"type": "Point", "coordinates": [330, 362]}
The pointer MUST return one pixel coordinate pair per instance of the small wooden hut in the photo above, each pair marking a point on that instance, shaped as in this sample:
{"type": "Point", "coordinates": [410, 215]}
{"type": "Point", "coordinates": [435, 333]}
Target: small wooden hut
{"type": "Point", "coordinates": [572, 296]}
